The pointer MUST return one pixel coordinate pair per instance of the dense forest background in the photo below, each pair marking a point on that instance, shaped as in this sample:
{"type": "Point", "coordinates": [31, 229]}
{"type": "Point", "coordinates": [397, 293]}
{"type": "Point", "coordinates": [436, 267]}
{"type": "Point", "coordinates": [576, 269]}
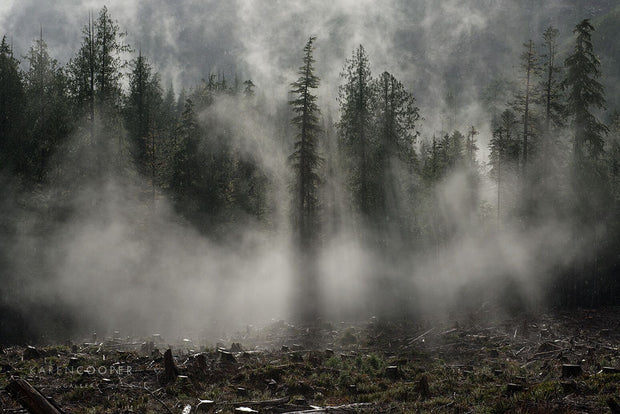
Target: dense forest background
{"type": "Point", "coordinates": [476, 164]}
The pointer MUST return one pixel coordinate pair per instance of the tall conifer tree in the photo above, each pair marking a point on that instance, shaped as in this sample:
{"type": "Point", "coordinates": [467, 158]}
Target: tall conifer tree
{"type": "Point", "coordinates": [305, 158]}
{"type": "Point", "coordinates": [142, 109]}
{"type": "Point", "coordinates": [12, 145]}
{"type": "Point", "coordinates": [585, 94]}
{"type": "Point", "coordinates": [48, 109]}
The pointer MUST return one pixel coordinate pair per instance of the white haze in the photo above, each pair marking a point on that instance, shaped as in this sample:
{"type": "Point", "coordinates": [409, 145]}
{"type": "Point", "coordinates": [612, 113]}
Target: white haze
{"type": "Point", "coordinates": [121, 264]}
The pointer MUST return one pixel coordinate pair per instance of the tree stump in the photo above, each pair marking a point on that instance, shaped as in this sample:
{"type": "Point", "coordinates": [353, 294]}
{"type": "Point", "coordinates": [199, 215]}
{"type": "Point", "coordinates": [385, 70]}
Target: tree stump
{"type": "Point", "coordinates": [31, 353]}
{"type": "Point", "coordinates": [422, 387]}
{"type": "Point", "coordinates": [226, 356]}
{"type": "Point", "coordinates": [392, 372]}
{"type": "Point", "coordinates": [512, 388]}
{"type": "Point", "coordinates": [569, 370]}
{"type": "Point", "coordinates": [200, 362]}
{"type": "Point", "coordinates": [170, 369]}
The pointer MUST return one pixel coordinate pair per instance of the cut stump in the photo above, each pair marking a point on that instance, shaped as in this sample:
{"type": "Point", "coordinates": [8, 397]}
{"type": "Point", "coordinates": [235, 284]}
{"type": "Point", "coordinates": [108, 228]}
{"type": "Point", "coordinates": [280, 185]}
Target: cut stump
{"type": "Point", "coordinates": [569, 371]}
{"type": "Point", "coordinates": [170, 369]}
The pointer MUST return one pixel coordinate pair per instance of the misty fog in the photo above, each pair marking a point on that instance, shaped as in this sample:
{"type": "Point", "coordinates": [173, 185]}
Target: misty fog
{"type": "Point", "coordinates": [103, 243]}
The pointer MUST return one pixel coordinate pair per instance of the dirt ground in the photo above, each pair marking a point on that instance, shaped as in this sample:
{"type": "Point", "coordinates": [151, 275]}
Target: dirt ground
{"type": "Point", "coordinates": [560, 362]}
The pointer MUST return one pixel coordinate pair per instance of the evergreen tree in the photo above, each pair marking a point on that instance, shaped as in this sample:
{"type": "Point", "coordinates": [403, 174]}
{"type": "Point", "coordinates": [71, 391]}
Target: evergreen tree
{"type": "Point", "coordinates": [610, 243]}
{"type": "Point", "coordinates": [248, 192]}
{"type": "Point", "coordinates": [472, 171]}
{"type": "Point", "coordinates": [505, 146]}
{"type": "Point", "coordinates": [471, 147]}
{"type": "Point", "coordinates": [168, 124]}
{"type": "Point", "coordinates": [552, 94]}
{"type": "Point", "coordinates": [332, 195]}
{"type": "Point", "coordinates": [504, 156]}
{"type": "Point", "coordinates": [548, 174]}
{"type": "Point", "coordinates": [453, 150]}
{"type": "Point", "coordinates": [188, 164]}
{"type": "Point", "coordinates": [430, 160]}
{"type": "Point", "coordinates": [613, 164]}
{"type": "Point", "coordinates": [356, 136]}
{"type": "Point", "coordinates": [169, 104]}
{"type": "Point", "coordinates": [591, 193]}
{"type": "Point", "coordinates": [82, 68]}
{"type": "Point", "coordinates": [12, 144]}
{"type": "Point", "coordinates": [531, 68]}
{"type": "Point", "coordinates": [180, 106]}
{"type": "Point", "coordinates": [395, 116]}
{"type": "Point", "coordinates": [48, 111]}
{"type": "Point", "coordinates": [108, 46]}
{"type": "Point", "coordinates": [250, 181]}
{"type": "Point", "coordinates": [585, 94]}
{"type": "Point", "coordinates": [305, 159]}
{"type": "Point", "coordinates": [204, 95]}
{"type": "Point", "coordinates": [208, 178]}
{"type": "Point", "coordinates": [248, 89]}
{"type": "Point", "coordinates": [142, 113]}
{"type": "Point", "coordinates": [95, 71]}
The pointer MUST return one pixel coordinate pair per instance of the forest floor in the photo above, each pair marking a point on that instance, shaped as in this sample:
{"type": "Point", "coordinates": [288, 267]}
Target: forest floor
{"type": "Point", "coordinates": [552, 363]}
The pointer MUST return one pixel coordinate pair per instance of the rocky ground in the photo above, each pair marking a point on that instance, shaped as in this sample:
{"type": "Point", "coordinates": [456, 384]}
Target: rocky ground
{"type": "Point", "coordinates": [551, 363]}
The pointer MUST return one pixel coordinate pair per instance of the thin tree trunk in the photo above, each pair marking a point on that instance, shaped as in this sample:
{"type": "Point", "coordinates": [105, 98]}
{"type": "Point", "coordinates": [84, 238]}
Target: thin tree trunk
{"type": "Point", "coordinates": [499, 186]}
{"type": "Point", "coordinates": [526, 114]}
{"type": "Point", "coordinates": [91, 67]}
{"type": "Point", "coordinates": [153, 167]}
{"type": "Point", "coordinates": [364, 164]}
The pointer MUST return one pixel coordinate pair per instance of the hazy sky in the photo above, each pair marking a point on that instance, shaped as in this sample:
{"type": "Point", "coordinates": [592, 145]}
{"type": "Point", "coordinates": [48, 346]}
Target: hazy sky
{"type": "Point", "coordinates": [190, 37]}
{"type": "Point", "coordinates": [434, 47]}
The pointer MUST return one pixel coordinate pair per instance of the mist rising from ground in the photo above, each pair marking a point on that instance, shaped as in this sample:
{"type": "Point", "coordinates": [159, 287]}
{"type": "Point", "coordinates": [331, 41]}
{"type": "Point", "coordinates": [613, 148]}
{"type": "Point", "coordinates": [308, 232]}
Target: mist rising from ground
{"type": "Point", "coordinates": [120, 261]}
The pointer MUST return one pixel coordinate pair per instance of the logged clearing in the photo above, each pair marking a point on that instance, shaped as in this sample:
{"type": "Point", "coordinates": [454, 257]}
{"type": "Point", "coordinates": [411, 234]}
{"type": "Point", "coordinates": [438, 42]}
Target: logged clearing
{"type": "Point", "coordinates": [553, 363]}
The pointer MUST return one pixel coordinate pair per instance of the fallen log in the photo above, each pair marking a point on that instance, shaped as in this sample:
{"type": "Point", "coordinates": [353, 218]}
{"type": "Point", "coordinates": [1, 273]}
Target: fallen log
{"type": "Point", "coordinates": [610, 370]}
{"type": "Point", "coordinates": [421, 336]}
{"type": "Point", "coordinates": [539, 354]}
{"type": "Point", "coordinates": [263, 403]}
{"type": "Point", "coordinates": [30, 398]}
{"type": "Point", "coordinates": [340, 409]}
{"type": "Point", "coordinates": [204, 406]}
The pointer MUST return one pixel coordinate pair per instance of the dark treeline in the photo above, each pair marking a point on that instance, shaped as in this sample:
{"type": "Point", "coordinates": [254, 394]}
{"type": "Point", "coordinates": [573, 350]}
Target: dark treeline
{"type": "Point", "coordinates": [551, 156]}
